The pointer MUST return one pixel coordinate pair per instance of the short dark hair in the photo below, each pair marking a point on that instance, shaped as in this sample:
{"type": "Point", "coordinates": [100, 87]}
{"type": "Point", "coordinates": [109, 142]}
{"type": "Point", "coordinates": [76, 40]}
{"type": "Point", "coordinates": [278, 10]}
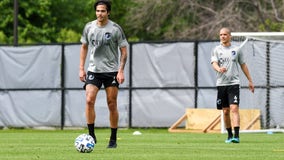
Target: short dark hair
{"type": "Point", "coordinates": [103, 2]}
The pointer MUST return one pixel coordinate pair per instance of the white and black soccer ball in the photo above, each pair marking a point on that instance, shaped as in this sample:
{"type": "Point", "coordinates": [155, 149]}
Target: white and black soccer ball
{"type": "Point", "coordinates": [84, 143]}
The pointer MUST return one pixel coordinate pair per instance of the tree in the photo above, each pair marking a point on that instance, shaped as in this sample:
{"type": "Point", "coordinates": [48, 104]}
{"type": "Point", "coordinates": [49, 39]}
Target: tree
{"type": "Point", "coordinates": [45, 21]}
{"type": "Point", "coordinates": [202, 19]}
{"type": "Point", "coordinates": [57, 21]}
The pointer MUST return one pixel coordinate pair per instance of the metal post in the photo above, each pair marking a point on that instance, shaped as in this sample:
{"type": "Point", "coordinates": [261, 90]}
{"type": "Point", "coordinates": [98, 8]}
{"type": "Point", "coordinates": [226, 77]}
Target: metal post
{"type": "Point", "coordinates": [16, 11]}
{"type": "Point", "coordinates": [62, 86]}
{"type": "Point", "coordinates": [267, 106]}
{"type": "Point", "coordinates": [130, 87]}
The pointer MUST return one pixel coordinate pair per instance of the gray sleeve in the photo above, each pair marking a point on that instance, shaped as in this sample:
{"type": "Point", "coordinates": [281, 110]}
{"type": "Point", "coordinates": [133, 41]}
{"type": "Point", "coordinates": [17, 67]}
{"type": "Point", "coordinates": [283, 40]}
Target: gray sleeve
{"type": "Point", "coordinates": [84, 37]}
{"type": "Point", "coordinates": [241, 57]}
{"type": "Point", "coordinates": [214, 57]}
{"type": "Point", "coordinates": [121, 38]}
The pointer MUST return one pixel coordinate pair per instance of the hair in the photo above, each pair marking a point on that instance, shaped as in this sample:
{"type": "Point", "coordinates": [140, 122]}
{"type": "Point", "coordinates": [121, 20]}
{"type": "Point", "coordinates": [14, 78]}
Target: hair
{"type": "Point", "coordinates": [228, 30]}
{"type": "Point", "coordinates": [107, 3]}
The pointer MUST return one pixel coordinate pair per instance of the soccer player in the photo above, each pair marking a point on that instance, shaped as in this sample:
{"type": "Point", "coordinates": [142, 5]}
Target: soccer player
{"type": "Point", "coordinates": [104, 38]}
{"type": "Point", "coordinates": [225, 60]}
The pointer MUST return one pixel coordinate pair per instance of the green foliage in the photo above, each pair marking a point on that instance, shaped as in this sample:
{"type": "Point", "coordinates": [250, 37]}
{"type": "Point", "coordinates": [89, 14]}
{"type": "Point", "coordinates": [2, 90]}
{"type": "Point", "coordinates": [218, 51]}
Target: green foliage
{"type": "Point", "coordinates": [45, 21]}
{"type": "Point", "coordinates": [3, 37]}
{"type": "Point", "coordinates": [68, 36]}
{"type": "Point", "coordinates": [52, 21]}
{"type": "Point", "coordinates": [273, 26]}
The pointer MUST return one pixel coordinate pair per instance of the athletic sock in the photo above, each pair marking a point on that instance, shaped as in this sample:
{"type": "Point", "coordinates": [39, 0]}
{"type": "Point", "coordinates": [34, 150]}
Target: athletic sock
{"type": "Point", "coordinates": [237, 130]}
{"type": "Point", "coordinates": [91, 128]}
{"type": "Point", "coordinates": [230, 133]}
{"type": "Point", "coordinates": [113, 134]}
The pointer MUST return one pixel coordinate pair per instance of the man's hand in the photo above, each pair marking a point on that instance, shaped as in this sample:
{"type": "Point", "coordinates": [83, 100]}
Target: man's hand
{"type": "Point", "coordinates": [120, 77]}
{"type": "Point", "coordinates": [222, 70]}
{"type": "Point", "coordinates": [82, 75]}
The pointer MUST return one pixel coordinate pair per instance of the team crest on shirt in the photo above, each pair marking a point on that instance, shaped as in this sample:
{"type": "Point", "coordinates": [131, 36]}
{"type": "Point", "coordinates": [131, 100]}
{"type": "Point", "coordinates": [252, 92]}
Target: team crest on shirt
{"type": "Point", "coordinates": [107, 36]}
{"type": "Point", "coordinates": [233, 53]}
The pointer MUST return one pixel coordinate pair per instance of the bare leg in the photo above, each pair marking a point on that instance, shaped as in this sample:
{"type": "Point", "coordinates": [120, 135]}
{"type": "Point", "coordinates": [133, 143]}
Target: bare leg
{"type": "Point", "coordinates": [235, 114]}
{"type": "Point", "coordinates": [112, 106]}
{"type": "Point", "coordinates": [235, 119]}
{"type": "Point", "coordinates": [91, 93]}
{"type": "Point", "coordinates": [227, 117]}
{"type": "Point", "coordinates": [113, 114]}
{"type": "Point", "coordinates": [227, 120]}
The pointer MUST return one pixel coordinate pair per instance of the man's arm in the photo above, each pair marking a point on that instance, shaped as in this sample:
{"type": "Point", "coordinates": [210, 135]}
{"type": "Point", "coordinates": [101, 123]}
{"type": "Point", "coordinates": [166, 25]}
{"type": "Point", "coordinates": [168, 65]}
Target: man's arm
{"type": "Point", "coordinates": [217, 68]}
{"type": "Point", "coordinates": [246, 72]}
{"type": "Point", "coordinates": [83, 55]}
{"type": "Point", "coordinates": [123, 59]}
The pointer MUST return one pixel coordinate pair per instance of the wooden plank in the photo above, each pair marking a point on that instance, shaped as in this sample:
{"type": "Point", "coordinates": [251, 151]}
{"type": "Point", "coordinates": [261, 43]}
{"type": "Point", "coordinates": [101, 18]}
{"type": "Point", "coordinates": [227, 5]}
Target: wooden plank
{"type": "Point", "coordinates": [208, 120]}
{"type": "Point", "coordinates": [178, 122]}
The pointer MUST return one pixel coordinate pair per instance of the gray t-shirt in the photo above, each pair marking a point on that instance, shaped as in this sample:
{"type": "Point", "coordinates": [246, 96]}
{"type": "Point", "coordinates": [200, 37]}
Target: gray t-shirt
{"type": "Point", "coordinates": [104, 43]}
{"type": "Point", "coordinates": [229, 57]}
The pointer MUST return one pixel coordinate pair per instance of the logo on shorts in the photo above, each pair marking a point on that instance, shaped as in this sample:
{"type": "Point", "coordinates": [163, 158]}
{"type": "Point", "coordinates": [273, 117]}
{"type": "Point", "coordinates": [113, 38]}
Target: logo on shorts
{"type": "Point", "coordinates": [235, 99]}
{"type": "Point", "coordinates": [91, 77]}
{"type": "Point", "coordinates": [113, 82]}
{"type": "Point", "coordinates": [219, 101]}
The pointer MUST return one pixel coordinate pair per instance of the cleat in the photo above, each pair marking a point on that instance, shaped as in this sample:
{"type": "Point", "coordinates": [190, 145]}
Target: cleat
{"type": "Point", "coordinates": [95, 138]}
{"type": "Point", "coordinates": [229, 140]}
{"type": "Point", "coordinates": [236, 140]}
{"type": "Point", "coordinates": [112, 144]}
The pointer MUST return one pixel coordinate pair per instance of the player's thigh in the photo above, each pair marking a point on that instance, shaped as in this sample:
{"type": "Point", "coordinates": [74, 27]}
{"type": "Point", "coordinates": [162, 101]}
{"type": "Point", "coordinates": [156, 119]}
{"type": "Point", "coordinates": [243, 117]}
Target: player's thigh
{"type": "Point", "coordinates": [234, 108]}
{"type": "Point", "coordinates": [111, 93]}
{"type": "Point", "coordinates": [91, 92]}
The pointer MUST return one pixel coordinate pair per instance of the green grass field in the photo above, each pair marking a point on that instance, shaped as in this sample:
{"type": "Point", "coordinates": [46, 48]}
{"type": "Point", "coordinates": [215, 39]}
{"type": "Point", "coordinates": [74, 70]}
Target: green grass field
{"type": "Point", "coordinates": [153, 144]}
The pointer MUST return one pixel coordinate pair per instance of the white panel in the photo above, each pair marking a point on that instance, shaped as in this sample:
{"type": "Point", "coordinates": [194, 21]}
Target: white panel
{"type": "Point", "coordinates": [163, 65]}
{"type": "Point", "coordinates": [30, 67]}
{"type": "Point", "coordinates": [206, 75]}
{"type": "Point", "coordinates": [255, 53]}
{"type": "Point", "coordinates": [160, 108]}
{"type": "Point", "coordinates": [207, 98]}
{"type": "Point", "coordinates": [277, 65]}
{"type": "Point", "coordinates": [30, 108]}
{"type": "Point", "coordinates": [72, 60]}
{"type": "Point", "coordinates": [277, 107]}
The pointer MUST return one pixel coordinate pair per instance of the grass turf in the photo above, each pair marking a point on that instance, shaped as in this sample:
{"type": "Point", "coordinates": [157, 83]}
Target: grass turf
{"type": "Point", "coordinates": [153, 144]}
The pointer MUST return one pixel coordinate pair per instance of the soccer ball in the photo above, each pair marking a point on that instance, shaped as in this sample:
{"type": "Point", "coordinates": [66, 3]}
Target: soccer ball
{"type": "Point", "coordinates": [84, 143]}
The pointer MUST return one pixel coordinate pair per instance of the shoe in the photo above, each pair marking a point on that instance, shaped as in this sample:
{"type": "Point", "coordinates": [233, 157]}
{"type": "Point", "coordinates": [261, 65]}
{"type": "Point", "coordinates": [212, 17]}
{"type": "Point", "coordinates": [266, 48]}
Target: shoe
{"type": "Point", "coordinates": [229, 140]}
{"type": "Point", "coordinates": [236, 140]}
{"type": "Point", "coordinates": [95, 138]}
{"type": "Point", "coordinates": [112, 144]}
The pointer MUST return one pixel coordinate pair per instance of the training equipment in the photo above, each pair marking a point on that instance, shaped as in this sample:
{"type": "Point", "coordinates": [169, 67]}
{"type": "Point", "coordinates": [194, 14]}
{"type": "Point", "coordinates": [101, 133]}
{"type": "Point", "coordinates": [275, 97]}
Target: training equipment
{"type": "Point", "coordinates": [264, 52]}
{"type": "Point", "coordinates": [84, 143]}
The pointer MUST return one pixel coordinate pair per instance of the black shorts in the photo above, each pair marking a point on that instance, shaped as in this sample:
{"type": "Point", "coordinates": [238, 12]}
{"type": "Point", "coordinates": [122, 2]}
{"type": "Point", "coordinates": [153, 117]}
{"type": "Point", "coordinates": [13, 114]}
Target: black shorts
{"type": "Point", "coordinates": [227, 95]}
{"type": "Point", "coordinates": [99, 79]}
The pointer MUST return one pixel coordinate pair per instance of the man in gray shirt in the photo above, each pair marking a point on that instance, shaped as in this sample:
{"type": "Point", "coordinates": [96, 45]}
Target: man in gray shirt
{"type": "Point", "coordinates": [225, 60]}
{"type": "Point", "coordinates": [105, 39]}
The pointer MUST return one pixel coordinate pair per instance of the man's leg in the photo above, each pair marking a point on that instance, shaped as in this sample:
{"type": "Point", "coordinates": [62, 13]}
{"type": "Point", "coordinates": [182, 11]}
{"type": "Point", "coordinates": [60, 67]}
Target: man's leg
{"type": "Point", "coordinates": [236, 121]}
{"type": "Point", "coordinates": [91, 93]}
{"type": "Point", "coordinates": [112, 92]}
{"type": "Point", "coordinates": [227, 120]}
